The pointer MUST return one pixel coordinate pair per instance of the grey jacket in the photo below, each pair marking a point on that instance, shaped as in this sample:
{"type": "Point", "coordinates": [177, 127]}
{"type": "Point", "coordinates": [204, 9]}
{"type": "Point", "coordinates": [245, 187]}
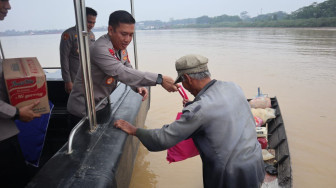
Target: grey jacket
{"type": "Point", "coordinates": [7, 111]}
{"type": "Point", "coordinates": [220, 122]}
{"type": "Point", "coordinates": [69, 54]}
{"type": "Point", "coordinates": [107, 67]}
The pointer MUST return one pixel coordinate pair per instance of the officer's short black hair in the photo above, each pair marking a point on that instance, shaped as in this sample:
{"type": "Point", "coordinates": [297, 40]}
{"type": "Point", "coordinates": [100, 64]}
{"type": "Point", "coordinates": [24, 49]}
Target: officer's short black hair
{"type": "Point", "coordinates": [120, 16]}
{"type": "Point", "coordinates": [90, 11]}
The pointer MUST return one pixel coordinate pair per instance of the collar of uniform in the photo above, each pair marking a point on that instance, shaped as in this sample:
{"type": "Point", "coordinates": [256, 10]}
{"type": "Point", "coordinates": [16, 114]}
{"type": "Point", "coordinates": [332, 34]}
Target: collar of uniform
{"type": "Point", "coordinates": [201, 92]}
{"type": "Point", "coordinates": [118, 54]}
{"type": "Point", "coordinates": [206, 87]}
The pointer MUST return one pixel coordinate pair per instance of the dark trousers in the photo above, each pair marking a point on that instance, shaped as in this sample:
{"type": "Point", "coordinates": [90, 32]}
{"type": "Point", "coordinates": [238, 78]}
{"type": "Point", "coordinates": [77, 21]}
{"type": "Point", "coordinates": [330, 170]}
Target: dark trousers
{"type": "Point", "coordinates": [13, 169]}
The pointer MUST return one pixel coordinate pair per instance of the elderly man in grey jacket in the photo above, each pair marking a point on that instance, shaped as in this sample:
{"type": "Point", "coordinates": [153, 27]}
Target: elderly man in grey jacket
{"type": "Point", "coordinates": [219, 121]}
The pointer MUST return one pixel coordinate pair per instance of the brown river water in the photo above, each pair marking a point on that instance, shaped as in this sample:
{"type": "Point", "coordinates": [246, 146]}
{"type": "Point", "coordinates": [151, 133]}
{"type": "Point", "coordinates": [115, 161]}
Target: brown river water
{"type": "Point", "coordinates": [298, 66]}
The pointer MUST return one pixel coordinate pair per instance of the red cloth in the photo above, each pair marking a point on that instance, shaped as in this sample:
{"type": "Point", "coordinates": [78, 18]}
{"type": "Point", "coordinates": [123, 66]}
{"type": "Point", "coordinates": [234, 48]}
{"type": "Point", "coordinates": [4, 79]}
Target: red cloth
{"type": "Point", "coordinates": [263, 142]}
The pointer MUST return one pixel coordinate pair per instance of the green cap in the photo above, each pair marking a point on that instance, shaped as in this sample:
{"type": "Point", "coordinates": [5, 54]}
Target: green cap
{"type": "Point", "coordinates": [190, 64]}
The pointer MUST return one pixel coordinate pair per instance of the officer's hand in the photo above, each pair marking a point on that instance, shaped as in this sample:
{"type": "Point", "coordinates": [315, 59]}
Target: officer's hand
{"type": "Point", "coordinates": [68, 87]}
{"type": "Point", "coordinates": [168, 84]}
{"type": "Point", "coordinates": [125, 126]}
{"type": "Point", "coordinates": [143, 92]}
{"type": "Point", "coordinates": [26, 112]}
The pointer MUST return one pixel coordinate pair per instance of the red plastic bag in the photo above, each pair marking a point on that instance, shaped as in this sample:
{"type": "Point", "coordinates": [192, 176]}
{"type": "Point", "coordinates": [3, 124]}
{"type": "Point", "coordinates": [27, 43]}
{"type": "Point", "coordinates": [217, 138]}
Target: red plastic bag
{"type": "Point", "coordinates": [263, 142]}
{"type": "Point", "coordinates": [258, 121]}
{"type": "Point", "coordinates": [184, 149]}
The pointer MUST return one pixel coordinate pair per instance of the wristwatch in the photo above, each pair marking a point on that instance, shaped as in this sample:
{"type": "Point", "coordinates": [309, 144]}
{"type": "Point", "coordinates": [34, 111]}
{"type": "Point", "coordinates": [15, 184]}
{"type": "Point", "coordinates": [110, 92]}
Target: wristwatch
{"type": "Point", "coordinates": [159, 79]}
{"type": "Point", "coordinates": [17, 114]}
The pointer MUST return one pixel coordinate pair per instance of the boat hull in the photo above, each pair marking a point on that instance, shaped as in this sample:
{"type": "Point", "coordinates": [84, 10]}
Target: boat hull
{"type": "Point", "coordinates": [277, 140]}
{"type": "Point", "coordinates": [103, 158]}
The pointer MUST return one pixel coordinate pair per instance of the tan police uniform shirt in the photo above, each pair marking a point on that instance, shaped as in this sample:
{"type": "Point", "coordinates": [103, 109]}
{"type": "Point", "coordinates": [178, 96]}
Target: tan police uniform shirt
{"type": "Point", "coordinates": [7, 111]}
{"type": "Point", "coordinates": [69, 53]}
{"type": "Point", "coordinates": [107, 67]}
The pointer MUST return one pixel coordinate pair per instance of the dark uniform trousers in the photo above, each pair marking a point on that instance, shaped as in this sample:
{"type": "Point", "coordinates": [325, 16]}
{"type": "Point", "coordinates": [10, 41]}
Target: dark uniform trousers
{"type": "Point", "coordinates": [102, 116]}
{"type": "Point", "coordinates": [14, 172]}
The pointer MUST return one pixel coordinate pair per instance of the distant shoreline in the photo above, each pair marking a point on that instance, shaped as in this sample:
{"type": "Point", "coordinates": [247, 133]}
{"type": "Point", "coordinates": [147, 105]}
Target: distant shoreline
{"type": "Point", "coordinates": [316, 15]}
{"type": "Point", "coordinates": [172, 28]}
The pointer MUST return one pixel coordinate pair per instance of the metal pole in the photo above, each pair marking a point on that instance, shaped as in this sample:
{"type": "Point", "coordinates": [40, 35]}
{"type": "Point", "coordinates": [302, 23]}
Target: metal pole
{"type": "Point", "coordinates": [73, 132]}
{"type": "Point", "coordinates": [88, 66]}
{"type": "Point", "coordinates": [2, 52]}
{"type": "Point", "coordinates": [84, 56]}
{"type": "Point", "coordinates": [134, 39]}
{"type": "Point", "coordinates": [136, 51]}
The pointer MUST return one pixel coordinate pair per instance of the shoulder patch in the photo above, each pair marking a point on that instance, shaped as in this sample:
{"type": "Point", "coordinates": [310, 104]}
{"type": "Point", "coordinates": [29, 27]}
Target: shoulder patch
{"type": "Point", "coordinates": [188, 114]}
{"type": "Point", "coordinates": [197, 108]}
{"type": "Point", "coordinates": [128, 59]}
{"type": "Point", "coordinates": [66, 36]}
{"type": "Point", "coordinates": [111, 51]}
{"type": "Point", "coordinates": [109, 80]}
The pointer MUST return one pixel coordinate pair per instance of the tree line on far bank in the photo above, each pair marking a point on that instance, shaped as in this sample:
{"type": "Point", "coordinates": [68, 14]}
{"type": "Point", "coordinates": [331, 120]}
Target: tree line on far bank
{"type": "Point", "coordinates": [315, 15]}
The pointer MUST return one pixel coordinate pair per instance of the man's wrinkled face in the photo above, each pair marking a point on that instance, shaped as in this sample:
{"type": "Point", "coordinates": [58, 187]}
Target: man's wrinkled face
{"type": "Point", "coordinates": [4, 7]}
{"type": "Point", "coordinates": [121, 36]}
{"type": "Point", "coordinates": [189, 85]}
{"type": "Point", "coordinates": [91, 21]}
{"type": "Point", "coordinates": [186, 85]}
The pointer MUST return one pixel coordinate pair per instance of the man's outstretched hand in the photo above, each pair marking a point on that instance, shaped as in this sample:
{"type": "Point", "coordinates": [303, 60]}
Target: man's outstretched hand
{"type": "Point", "coordinates": [125, 126]}
{"type": "Point", "coordinates": [168, 84]}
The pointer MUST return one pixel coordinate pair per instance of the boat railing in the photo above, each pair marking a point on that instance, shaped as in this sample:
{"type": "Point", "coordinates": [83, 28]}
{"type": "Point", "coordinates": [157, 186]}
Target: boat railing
{"type": "Point", "coordinates": [84, 56]}
{"type": "Point", "coordinates": [51, 68]}
{"type": "Point", "coordinates": [134, 38]}
{"type": "Point", "coordinates": [78, 125]}
{"type": "Point", "coordinates": [2, 52]}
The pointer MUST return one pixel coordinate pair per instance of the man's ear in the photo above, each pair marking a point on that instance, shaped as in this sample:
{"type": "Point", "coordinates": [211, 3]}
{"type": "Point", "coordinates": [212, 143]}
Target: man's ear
{"type": "Point", "coordinates": [110, 30]}
{"type": "Point", "coordinates": [187, 78]}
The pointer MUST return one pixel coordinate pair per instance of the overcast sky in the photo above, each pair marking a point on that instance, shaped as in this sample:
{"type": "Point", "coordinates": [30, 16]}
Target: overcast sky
{"type": "Point", "coordinates": [59, 14]}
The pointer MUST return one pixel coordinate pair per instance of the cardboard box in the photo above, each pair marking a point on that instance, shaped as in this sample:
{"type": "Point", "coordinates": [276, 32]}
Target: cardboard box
{"type": "Point", "coordinates": [26, 83]}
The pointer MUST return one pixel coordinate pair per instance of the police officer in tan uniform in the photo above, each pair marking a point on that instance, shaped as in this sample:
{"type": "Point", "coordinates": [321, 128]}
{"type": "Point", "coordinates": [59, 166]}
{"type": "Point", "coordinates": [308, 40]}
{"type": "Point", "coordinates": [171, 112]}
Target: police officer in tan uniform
{"type": "Point", "coordinates": [69, 50]}
{"type": "Point", "coordinates": [13, 170]}
{"type": "Point", "coordinates": [110, 63]}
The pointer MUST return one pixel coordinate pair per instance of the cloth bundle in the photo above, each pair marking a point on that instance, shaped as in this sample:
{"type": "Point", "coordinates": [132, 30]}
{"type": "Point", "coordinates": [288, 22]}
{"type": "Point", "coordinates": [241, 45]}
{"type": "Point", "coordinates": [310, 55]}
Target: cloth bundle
{"type": "Point", "coordinates": [32, 135]}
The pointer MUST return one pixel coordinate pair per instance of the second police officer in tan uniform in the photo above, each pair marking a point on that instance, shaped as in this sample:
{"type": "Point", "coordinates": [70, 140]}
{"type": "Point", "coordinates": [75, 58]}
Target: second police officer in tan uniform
{"type": "Point", "coordinates": [14, 171]}
{"type": "Point", "coordinates": [110, 63]}
{"type": "Point", "coordinates": [69, 53]}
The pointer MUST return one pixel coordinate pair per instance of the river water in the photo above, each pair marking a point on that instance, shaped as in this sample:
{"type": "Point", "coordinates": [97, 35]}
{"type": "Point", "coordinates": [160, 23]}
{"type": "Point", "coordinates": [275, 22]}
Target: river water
{"type": "Point", "coordinates": [298, 66]}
